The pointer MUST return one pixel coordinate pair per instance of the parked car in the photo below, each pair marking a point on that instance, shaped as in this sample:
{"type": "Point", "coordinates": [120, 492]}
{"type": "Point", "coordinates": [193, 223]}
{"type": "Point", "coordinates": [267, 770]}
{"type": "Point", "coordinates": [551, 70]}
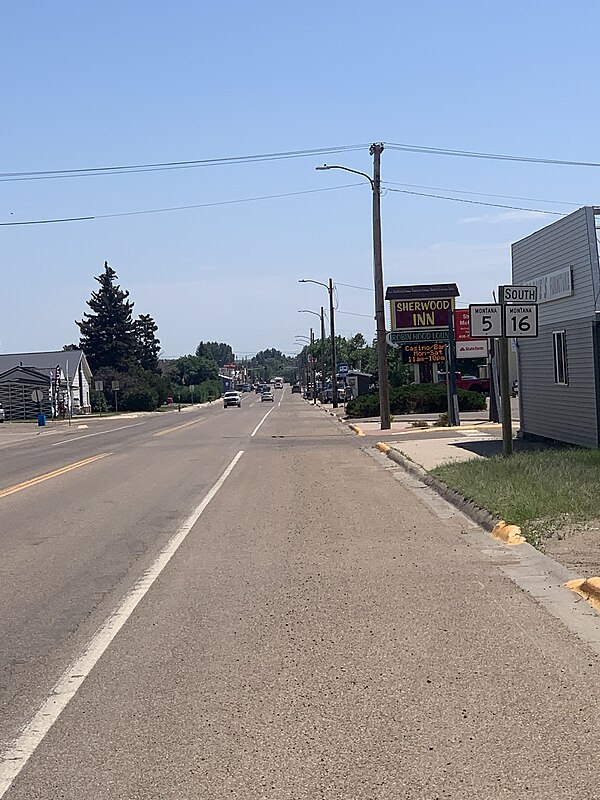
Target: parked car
{"type": "Point", "coordinates": [232, 399]}
{"type": "Point", "coordinates": [2, 414]}
{"type": "Point", "coordinates": [296, 389]}
{"type": "Point", "coordinates": [267, 395]}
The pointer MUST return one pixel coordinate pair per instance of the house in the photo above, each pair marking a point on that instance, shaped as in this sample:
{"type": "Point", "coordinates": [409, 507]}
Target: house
{"type": "Point", "coordinates": [559, 371]}
{"type": "Point", "coordinates": [63, 377]}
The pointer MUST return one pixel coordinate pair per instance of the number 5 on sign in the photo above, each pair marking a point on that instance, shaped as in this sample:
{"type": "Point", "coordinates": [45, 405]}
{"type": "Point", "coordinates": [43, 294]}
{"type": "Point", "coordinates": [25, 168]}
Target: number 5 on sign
{"type": "Point", "coordinates": [485, 321]}
{"type": "Point", "coordinates": [521, 321]}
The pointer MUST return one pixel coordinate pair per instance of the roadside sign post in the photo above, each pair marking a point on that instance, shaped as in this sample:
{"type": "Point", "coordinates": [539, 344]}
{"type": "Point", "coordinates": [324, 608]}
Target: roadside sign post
{"type": "Point", "coordinates": [453, 413]}
{"type": "Point", "coordinates": [514, 317]}
{"type": "Point", "coordinates": [115, 388]}
{"type": "Point", "coordinates": [99, 387]}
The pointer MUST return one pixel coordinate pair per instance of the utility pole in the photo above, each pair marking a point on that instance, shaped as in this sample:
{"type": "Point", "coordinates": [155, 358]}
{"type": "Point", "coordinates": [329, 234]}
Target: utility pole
{"type": "Point", "coordinates": [312, 367]}
{"type": "Point", "coordinates": [322, 351]}
{"type": "Point", "coordinates": [334, 392]}
{"type": "Point", "coordinates": [382, 366]}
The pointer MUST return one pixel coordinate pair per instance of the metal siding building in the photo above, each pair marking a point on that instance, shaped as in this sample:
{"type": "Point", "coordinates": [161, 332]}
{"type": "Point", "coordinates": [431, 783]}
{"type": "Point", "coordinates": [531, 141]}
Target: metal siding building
{"type": "Point", "coordinates": [566, 410]}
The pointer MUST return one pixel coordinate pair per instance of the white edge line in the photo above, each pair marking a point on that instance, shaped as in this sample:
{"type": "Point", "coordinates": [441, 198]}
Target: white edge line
{"type": "Point", "coordinates": [98, 433]}
{"type": "Point", "coordinates": [254, 432]}
{"type": "Point", "coordinates": [24, 746]}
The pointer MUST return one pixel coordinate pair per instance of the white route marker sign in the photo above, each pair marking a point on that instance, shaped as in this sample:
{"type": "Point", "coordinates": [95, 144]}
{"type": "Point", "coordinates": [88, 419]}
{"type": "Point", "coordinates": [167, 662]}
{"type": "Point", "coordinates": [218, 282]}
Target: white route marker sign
{"type": "Point", "coordinates": [521, 321]}
{"type": "Point", "coordinates": [485, 321]}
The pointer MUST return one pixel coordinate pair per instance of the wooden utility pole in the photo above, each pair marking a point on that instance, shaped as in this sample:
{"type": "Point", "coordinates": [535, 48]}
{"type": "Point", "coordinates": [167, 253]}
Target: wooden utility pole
{"type": "Point", "coordinates": [334, 393]}
{"type": "Point", "coordinates": [382, 366]}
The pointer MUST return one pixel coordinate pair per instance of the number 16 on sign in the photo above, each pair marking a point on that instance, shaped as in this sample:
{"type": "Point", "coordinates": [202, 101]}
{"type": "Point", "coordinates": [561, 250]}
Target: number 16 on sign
{"type": "Point", "coordinates": [521, 321]}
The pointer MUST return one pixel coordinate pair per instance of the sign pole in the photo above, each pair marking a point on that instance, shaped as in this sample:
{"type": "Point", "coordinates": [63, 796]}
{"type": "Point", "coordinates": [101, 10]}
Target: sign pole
{"type": "Point", "coordinates": [453, 414]}
{"type": "Point", "coordinates": [507, 442]}
{"type": "Point", "coordinates": [504, 380]}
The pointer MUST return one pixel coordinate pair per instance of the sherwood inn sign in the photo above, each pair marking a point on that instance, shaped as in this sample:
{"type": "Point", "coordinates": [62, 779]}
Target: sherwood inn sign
{"type": "Point", "coordinates": [420, 310]}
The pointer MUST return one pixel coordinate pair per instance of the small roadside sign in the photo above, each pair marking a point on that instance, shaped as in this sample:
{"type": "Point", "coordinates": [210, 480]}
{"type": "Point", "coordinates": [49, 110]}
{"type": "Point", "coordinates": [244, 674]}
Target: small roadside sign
{"type": "Point", "coordinates": [115, 386]}
{"type": "Point", "coordinates": [37, 395]}
{"type": "Point", "coordinates": [518, 294]}
{"type": "Point", "coordinates": [485, 321]}
{"type": "Point", "coordinates": [414, 336]}
{"type": "Point", "coordinates": [521, 321]}
{"type": "Point", "coordinates": [98, 386]}
{"type": "Point", "coordinates": [342, 369]}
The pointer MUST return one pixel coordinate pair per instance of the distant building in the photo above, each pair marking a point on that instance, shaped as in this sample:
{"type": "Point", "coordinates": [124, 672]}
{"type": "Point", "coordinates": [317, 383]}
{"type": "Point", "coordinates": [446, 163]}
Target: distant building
{"type": "Point", "coordinates": [63, 377]}
{"type": "Point", "coordinates": [559, 372]}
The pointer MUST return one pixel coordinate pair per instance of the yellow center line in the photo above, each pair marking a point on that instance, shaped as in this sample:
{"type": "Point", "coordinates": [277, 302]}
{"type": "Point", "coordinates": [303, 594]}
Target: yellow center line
{"type": "Point", "coordinates": [179, 427]}
{"type": "Point", "coordinates": [55, 474]}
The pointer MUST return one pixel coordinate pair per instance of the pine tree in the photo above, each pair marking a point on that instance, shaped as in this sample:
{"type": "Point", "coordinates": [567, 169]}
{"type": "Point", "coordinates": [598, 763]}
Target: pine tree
{"type": "Point", "coordinates": [107, 334]}
{"type": "Point", "coordinates": [148, 346]}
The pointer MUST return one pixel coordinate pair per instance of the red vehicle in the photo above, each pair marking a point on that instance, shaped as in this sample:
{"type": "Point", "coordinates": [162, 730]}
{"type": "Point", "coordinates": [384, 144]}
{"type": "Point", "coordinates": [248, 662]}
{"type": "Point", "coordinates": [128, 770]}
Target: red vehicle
{"type": "Point", "coordinates": [470, 383]}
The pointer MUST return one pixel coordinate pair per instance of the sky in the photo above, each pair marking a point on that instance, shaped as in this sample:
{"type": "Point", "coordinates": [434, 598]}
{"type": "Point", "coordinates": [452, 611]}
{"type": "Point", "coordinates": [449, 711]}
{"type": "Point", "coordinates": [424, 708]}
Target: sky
{"type": "Point", "coordinates": [95, 84]}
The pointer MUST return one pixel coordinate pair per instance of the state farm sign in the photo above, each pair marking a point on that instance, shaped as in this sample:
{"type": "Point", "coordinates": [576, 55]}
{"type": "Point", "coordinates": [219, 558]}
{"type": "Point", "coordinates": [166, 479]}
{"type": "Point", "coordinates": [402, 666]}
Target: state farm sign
{"type": "Point", "coordinates": [421, 313]}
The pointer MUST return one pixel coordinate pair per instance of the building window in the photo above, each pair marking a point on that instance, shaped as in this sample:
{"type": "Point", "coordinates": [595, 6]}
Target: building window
{"type": "Point", "coordinates": [561, 372]}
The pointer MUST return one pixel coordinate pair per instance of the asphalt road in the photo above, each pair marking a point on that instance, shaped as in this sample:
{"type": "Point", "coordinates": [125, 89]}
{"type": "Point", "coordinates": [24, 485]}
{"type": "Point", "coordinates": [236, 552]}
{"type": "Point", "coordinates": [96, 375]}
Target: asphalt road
{"type": "Point", "coordinates": [266, 616]}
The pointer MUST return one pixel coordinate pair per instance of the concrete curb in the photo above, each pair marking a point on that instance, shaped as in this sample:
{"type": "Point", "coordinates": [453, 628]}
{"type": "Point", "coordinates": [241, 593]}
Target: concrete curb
{"type": "Point", "coordinates": [468, 507]}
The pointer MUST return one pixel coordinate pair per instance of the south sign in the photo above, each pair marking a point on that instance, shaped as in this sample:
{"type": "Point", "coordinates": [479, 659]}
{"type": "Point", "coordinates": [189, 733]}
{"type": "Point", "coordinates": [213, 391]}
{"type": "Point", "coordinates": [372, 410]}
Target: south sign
{"type": "Point", "coordinates": [421, 313]}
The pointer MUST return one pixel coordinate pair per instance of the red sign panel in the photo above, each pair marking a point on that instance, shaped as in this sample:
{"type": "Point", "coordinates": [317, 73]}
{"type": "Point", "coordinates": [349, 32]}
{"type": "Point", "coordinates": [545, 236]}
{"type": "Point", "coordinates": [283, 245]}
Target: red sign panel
{"type": "Point", "coordinates": [462, 331]}
{"type": "Point", "coordinates": [424, 313]}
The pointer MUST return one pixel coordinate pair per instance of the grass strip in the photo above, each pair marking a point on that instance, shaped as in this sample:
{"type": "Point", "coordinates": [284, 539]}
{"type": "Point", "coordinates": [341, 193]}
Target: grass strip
{"type": "Point", "coordinates": [539, 491]}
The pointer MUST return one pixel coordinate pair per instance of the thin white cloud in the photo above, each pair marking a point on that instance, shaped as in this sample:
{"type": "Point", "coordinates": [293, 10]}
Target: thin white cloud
{"type": "Point", "coordinates": [506, 216]}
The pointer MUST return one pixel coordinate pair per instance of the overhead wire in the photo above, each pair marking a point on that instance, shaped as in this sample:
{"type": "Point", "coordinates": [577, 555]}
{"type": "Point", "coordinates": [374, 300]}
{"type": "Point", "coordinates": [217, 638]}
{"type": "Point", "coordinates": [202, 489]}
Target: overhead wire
{"type": "Point", "coordinates": [482, 194]}
{"type": "Point", "coordinates": [178, 208]}
{"type": "Point", "coordinates": [476, 202]}
{"type": "Point", "coordinates": [169, 165]}
{"type": "Point", "coordinates": [411, 148]}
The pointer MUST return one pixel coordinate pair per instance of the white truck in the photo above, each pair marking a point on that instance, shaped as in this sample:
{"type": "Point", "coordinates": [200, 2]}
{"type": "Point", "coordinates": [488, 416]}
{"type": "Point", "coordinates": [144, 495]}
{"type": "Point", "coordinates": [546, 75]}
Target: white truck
{"type": "Point", "coordinates": [278, 383]}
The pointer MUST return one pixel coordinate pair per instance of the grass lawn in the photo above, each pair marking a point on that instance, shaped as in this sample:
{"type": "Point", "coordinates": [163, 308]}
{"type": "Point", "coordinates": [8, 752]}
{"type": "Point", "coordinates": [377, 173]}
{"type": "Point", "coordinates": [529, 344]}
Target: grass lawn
{"type": "Point", "coordinates": [540, 491]}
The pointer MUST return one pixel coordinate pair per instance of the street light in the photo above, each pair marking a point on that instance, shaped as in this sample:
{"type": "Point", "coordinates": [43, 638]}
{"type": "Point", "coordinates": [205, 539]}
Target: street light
{"type": "Point", "coordinates": [321, 317]}
{"type": "Point", "coordinates": [384, 391]}
{"type": "Point", "coordinates": [329, 287]}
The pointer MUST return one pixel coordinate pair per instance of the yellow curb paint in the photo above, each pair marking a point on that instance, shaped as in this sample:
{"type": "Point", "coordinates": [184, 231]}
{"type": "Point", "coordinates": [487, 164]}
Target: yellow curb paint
{"type": "Point", "coordinates": [358, 431]}
{"type": "Point", "coordinates": [509, 534]}
{"type": "Point", "coordinates": [383, 447]}
{"type": "Point", "coordinates": [588, 588]}
{"type": "Point", "coordinates": [179, 427]}
{"type": "Point", "coordinates": [55, 474]}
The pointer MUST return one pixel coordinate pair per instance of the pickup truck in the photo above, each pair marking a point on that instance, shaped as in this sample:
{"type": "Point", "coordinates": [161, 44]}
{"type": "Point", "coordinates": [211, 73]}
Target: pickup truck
{"type": "Point", "coordinates": [468, 382]}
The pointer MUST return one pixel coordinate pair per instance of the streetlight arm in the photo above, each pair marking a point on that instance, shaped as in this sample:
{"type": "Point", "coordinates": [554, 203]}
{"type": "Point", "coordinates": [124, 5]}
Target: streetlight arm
{"type": "Point", "coordinates": [347, 169]}
{"type": "Point", "coordinates": [309, 280]}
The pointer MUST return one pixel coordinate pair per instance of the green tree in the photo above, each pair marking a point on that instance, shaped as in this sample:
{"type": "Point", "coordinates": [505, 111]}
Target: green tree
{"type": "Point", "coordinates": [194, 370]}
{"type": "Point", "coordinates": [219, 352]}
{"type": "Point", "coordinates": [107, 333]}
{"type": "Point", "coordinates": [148, 345]}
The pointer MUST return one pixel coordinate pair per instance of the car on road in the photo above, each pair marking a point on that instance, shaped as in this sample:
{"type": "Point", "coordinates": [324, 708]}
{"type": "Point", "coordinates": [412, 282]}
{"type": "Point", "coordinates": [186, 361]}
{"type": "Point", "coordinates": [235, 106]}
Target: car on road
{"type": "Point", "coordinates": [232, 399]}
{"type": "Point", "coordinates": [2, 414]}
{"type": "Point", "coordinates": [296, 389]}
{"type": "Point", "coordinates": [266, 396]}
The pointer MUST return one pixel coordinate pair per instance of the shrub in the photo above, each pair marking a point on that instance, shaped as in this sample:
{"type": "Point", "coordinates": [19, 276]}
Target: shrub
{"type": "Point", "coordinates": [98, 401]}
{"type": "Point", "coordinates": [418, 398]}
{"type": "Point", "coordinates": [140, 399]}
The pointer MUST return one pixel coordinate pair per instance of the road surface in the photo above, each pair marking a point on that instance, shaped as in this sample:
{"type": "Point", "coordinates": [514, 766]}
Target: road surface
{"type": "Point", "coordinates": [217, 604]}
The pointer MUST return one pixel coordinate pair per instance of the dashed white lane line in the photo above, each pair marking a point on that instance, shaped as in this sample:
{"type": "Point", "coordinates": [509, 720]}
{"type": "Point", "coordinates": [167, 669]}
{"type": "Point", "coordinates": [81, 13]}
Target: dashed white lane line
{"type": "Point", "coordinates": [98, 433]}
{"type": "Point", "coordinates": [20, 751]}
{"type": "Point", "coordinates": [255, 431]}
{"type": "Point", "coordinates": [281, 398]}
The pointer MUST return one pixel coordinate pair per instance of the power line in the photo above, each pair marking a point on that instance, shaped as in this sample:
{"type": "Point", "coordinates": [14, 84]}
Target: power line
{"type": "Point", "coordinates": [354, 314]}
{"type": "Point", "coordinates": [168, 165]}
{"type": "Point", "coordinates": [351, 286]}
{"type": "Point", "coordinates": [482, 194]}
{"type": "Point", "coordinates": [475, 202]}
{"type": "Point", "coordinates": [440, 151]}
{"type": "Point", "coordinates": [178, 208]}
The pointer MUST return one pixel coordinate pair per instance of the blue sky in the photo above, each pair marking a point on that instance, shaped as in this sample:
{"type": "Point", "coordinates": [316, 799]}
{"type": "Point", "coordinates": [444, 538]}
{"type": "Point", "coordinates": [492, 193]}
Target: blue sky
{"type": "Point", "coordinates": [100, 84]}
